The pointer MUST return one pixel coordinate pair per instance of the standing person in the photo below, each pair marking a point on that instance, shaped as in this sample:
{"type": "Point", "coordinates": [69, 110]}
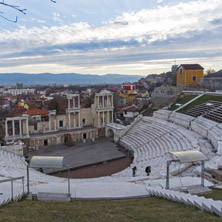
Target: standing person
{"type": "Point", "coordinates": [148, 170]}
{"type": "Point", "coordinates": [134, 171]}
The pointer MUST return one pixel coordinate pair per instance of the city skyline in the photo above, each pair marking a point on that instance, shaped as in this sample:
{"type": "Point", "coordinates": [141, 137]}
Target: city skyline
{"type": "Point", "coordinates": [101, 37]}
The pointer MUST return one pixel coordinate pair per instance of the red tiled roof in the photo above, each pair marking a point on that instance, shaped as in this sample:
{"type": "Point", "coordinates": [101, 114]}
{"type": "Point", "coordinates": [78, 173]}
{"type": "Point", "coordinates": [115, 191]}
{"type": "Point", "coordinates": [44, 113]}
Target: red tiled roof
{"type": "Point", "coordinates": [120, 108]}
{"type": "Point", "coordinates": [5, 101]}
{"type": "Point", "coordinates": [83, 105]}
{"type": "Point", "coordinates": [131, 109]}
{"type": "Point", "coordinates": [191, 66]}
{"type": "Point", "coordinates": [128, 83]}
{"type": "Point", "coordinates": [34, 112]}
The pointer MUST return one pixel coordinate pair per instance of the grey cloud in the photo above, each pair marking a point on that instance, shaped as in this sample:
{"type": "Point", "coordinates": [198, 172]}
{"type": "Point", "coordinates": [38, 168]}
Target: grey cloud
{"type": "Point", "coordinates": [83, 47]}
{"type": "Point", "coordinates": [217, 21]}
{"type": "Point", "coordinates": [120, 23]}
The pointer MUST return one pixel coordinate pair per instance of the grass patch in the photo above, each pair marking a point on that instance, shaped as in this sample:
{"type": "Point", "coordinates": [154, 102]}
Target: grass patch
{"type": "Point", "coordinates": [216, 194]}
{"type": "Point", "coordinates": [149, 112]}
{"type": "Point", "coordinates": [181, 100]}
{"type": "Point", "coordinates": [143, 210]}
{"type": "Point", "coordinates": [201, 100]}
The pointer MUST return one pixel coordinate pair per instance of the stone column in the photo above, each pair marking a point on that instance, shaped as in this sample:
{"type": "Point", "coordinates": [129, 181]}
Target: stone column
{"type": "Point", "coordinates": [20, 127]}
{"type": "Point", "coordinates": [6, 128]}
{"type": "Point", "coordinates": [112, 116]}
{"type": "Point", "coordinates": [69, 126]}
{"type": "Point", "coordinates": [13, 127]}
{"type": "Point", "coordinates": [108, 101]}
{"type": "Point", "coordinates": [103, 118]}
{"type": "Point", "coordinates": [74, 102]}
{"type": "Point", "coordinates": [103, 101]}
{"type": "Point", "coordinates": [74, 120]}
{"type": "Point", "coordinates": [27, 127]}
{"type": "Point", "coordinates": [49, 123]}
{"type": "Point", "coordinates": [78, 102]}
{"type": "Point", "coordinates": [55, 124]}
{"type": "Point", "coordinates": [79, 120]}
{"type": "Point", "coordinates": [68, 103]}
{"type": "Point", "coordinates": [112, 100]}
{"type": "Point", "coordinates": [108, 114]}
{"type": "Point", "coordinates": [98, 119]}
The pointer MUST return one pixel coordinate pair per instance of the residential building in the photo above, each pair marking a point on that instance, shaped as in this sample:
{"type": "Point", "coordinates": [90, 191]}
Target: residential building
{"type": "Point", "coordinates": [189, 74]}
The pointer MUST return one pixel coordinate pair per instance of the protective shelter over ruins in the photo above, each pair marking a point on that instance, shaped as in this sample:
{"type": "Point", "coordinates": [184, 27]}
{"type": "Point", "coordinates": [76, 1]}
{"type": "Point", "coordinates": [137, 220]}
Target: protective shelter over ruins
{"type": "Point", "coordinates": [188, 156]}
{"type": "Point", "coordinates": [48, 162]}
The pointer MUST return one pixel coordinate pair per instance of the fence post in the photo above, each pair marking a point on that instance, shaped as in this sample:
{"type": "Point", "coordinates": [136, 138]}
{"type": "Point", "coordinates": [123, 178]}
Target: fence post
{"type": "Point", "coordinates": [12, 189]}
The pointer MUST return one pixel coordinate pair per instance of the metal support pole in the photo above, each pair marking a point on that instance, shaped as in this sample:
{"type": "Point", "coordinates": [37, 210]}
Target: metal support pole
{"type": "Point", "coordinates": [202, 173]}
{"type": "Point", "coordinates": [69, 182]}
{"type": "Point", "coordinates": [167, 175]}
{"type": "Point", "coordinates": [28, 179]}
{"type": "Point", "coordinates": [23, 186]}
{"type": "Point", "coordinates": [12, 189]}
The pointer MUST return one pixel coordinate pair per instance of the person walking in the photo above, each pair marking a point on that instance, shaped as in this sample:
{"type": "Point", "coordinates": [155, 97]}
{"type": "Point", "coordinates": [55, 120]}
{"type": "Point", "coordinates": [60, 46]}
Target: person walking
{"type": "Point", "coordinates": [134, 171]}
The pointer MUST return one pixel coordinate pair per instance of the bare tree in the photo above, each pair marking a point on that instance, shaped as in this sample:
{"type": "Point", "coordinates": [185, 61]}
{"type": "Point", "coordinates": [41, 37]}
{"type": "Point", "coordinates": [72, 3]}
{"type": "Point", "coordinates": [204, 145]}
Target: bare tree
{"type": "Point", "coordinates": [209, 72]}
{"type": "Point", "coordinates": [14, 7]}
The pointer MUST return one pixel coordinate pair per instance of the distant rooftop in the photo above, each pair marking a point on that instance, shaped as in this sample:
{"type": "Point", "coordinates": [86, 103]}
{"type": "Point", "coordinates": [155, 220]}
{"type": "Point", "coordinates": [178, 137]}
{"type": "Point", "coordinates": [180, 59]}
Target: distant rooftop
{"type": "Point", "coordinates": [191, 66]}
{"type": "Point", "coordinates": [34, 112]}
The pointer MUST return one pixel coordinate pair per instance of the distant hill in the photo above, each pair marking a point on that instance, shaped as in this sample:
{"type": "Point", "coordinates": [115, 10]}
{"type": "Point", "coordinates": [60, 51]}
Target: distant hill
{"type": "Point", "coordinates": [154, 80]}
{"type": "Point", "coordinates": [215, 74]}
{"type": "Point", "coordinates": [66, 78]}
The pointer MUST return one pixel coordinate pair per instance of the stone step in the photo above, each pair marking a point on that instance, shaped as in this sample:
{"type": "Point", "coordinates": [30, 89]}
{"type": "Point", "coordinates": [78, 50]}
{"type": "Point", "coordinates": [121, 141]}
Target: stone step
{"type": "Point", "coordinates": [46, 196]}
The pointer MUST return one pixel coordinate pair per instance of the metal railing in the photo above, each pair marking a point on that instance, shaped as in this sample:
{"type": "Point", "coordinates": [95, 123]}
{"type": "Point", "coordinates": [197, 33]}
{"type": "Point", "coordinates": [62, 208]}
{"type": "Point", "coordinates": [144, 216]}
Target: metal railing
{"type": "Point", "coordinates": [12, 190]}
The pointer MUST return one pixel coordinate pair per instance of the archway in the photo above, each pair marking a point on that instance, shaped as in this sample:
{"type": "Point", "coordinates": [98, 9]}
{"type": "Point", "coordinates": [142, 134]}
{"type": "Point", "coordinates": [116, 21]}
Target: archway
{"type": "Point", "coordinates": [110, 133]}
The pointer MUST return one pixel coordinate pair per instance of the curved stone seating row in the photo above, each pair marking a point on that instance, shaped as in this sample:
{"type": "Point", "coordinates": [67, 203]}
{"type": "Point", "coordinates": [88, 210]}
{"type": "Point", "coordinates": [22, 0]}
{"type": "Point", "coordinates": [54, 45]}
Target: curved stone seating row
{"type": "Point", "coordinates": [12, 165]}
{"type": "Point", "coordinates": [202, 203]}
{"type": "Point", "coordinates": [6, 195]}
{"type": "Point", "coordinates": [214, 163]}
{"type": "Point", "coordinates": [174, 139]}
{"type": "Point", "coordinates": [202, 125]}
{"type": "Point", "coordinates": [181, 119]}
{"type": "Point", "coordinates": [151, 140]}
{"type": "Point", "coordinates": [205, 127]}
{"type": "Point", "coordinates": [146, 130]}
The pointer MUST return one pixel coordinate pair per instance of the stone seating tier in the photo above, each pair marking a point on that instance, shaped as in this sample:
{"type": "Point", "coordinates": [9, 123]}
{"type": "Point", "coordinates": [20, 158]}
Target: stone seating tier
{"type": "Point", "coordinates": [201, 203]}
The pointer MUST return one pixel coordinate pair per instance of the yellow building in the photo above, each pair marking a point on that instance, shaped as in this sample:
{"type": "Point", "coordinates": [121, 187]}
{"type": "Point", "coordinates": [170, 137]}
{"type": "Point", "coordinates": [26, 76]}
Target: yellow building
{"type": "Point", "coordinates": [189, 74]}
{"type": "Point", "coordinates": [22, 104]}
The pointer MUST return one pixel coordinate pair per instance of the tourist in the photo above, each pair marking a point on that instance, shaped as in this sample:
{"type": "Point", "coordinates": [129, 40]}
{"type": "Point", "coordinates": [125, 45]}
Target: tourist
{"type": "Point", "coordinates": [134, 171]}
{"type": "Point", "coordinates": [148, 170]}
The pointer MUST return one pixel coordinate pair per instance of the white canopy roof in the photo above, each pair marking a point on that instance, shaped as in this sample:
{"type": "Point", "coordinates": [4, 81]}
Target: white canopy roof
{"type": "Point", "coordinates": [46, 162]}
{"type": "Point", "coordinates": [189, 156]}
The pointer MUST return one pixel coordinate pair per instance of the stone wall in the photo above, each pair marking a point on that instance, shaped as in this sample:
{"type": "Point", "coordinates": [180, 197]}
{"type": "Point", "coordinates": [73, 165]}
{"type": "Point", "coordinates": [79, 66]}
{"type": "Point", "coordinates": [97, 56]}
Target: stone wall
{"type": "Point", "coordinates": [14, 148]}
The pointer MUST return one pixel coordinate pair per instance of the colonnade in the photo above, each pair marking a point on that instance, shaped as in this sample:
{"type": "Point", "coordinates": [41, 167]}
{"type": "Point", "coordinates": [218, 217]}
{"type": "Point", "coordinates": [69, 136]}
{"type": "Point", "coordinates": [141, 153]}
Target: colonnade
{"type": "Point", "coordinates": [104, 107]}
{"type": "Point", "coordinates": [104, 117]}
{"type": "Point", "coordinates": [23, 127]}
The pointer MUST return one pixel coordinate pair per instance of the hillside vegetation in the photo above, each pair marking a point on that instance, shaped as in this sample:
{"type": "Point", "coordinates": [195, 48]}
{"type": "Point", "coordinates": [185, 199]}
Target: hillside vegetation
{"type": "Point", "coordinates": [150, 209]}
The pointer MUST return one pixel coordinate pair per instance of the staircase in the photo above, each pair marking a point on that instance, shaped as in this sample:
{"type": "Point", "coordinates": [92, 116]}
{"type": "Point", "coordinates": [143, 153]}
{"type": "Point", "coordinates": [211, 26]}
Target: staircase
{"type": "Point", "coordinates": [202, 203]}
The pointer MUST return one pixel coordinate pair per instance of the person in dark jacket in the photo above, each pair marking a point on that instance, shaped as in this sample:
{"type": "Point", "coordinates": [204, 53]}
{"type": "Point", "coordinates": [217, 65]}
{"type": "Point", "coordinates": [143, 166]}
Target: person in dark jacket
{"type": "Point", "coordinates": [134, 171]}
{"type": "Point", "coordinates": [148, 170]}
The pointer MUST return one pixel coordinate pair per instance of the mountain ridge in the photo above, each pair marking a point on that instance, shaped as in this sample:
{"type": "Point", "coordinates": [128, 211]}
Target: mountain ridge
{"type": "Point", "coordinates": [65, 78]}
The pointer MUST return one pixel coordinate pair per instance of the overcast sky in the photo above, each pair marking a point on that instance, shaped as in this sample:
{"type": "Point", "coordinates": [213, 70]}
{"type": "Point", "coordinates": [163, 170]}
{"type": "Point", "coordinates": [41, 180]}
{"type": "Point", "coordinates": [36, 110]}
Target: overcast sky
{"type": "Point", "coordinates": [110, 36]}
